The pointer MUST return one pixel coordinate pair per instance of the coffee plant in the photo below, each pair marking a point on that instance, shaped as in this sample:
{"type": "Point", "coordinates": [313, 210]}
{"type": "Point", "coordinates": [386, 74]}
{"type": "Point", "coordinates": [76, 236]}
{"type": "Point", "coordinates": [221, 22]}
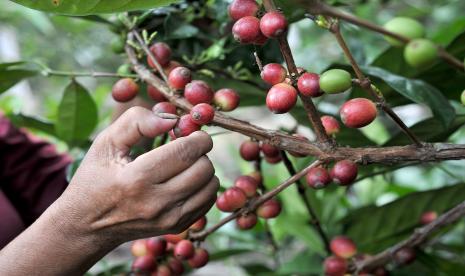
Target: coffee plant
{"type": "Point", "coordinates": [199, 60]}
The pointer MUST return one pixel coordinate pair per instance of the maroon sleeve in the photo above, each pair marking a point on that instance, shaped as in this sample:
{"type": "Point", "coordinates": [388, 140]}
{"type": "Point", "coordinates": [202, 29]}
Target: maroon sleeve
{"type": "Point", "coordinates": [32, 173]}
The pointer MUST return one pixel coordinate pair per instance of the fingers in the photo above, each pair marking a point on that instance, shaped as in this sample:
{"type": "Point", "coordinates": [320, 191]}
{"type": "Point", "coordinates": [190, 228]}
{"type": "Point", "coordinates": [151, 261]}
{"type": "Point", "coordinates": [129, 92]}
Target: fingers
{"type": "Point", "coordinates": [202, 200]}
{"type": "Point", "coordinates": [171, 159]}
{"type": "Point", "coordinates": [132, 125]}
{"type": "Point", "coordinates": [191, 180]}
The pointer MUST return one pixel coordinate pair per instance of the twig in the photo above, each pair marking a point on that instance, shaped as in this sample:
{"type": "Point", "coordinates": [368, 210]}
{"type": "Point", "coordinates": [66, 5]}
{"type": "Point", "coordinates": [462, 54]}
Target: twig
{"type": "Point", "coordinates": [253, 205]}
{"type": "Point", "coordinates": [309, 106]}
{"type": "Point", "coordinates": [365, 84]}
{"type": "Point", "coordinates": [419, 236]}
{"type": "Point", "coordinates": [314, 221]}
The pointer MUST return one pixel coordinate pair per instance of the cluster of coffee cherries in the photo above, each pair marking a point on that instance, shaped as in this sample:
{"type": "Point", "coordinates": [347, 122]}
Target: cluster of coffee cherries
{"type": "Point", "coordinates": [167, 255]}
{"type": "Point", "coordinates": [196, 92]}
{"type": "Point", "coordinates": [344, 250]}
{"type": "Point", "coordinates": [244, 190]}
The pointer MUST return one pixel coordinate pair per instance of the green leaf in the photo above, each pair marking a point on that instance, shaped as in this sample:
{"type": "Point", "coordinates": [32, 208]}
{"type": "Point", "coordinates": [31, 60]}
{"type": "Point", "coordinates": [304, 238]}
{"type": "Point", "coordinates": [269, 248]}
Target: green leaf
{"type": "Point", "coordinates": [21, 120]}
{"type": "Point", "coordinates": [177, 28]}
{"type": "Point", "coordinates": [430, 130]}
{"type": "Point", "coordinates": [374, 227]}
{"type": "Point", "coordinates": [77, 7]}
{"type": "Point", "coordinates": [11, 73]}
{"type": "Point", "coordinates": [77, 114]}
{"type": "Point", "coordinates": [417, 91]}
{"type": "Point", "coordinates": [220, 255]}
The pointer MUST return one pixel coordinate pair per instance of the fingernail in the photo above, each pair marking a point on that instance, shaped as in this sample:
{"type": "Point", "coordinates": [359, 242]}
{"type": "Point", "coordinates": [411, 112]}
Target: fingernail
{"type": "Point", "coordinates": [168, 116]}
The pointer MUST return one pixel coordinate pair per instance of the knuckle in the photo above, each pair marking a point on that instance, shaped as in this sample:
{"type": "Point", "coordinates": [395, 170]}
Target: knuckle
{"type": "Point", "coordinates": [206, 166]}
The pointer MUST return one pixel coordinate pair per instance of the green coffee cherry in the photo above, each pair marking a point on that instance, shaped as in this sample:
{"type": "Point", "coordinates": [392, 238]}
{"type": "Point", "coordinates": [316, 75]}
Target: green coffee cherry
{"type": "Point", "coordinates": [403, 26]}
{"type": "Point", "coordinates": [124, 69]}
{"type": "Point", "coordinates": [335, 81]}
{"type": "Point", "coordinates": [420, 53]}
{"type": "Point", "coordinates": [462, 97]}
{"type": "Point", "coordinates": [117, 45]}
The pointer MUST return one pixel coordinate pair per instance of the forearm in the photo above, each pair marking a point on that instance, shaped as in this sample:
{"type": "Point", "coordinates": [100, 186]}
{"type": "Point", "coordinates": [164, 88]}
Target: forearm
{"type": "Point", "coordinates": [53, 245]}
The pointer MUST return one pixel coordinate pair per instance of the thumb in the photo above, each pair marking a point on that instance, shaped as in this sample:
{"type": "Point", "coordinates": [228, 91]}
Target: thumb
{"type": "Point", "coordinates": [135, 123]}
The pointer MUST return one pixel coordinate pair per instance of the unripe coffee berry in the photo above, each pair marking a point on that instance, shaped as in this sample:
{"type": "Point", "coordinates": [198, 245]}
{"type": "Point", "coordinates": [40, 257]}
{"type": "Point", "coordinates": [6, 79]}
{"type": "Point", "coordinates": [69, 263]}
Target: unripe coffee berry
{"type": "Point", "coordinates": [281, 98]}
{"type": "Point", "coordinates": [139, 248]}
{"type": "Point", "coordinates": [144, 264]}
{"type": "Point", "coordinates": [405, 256]}
{"type": "Point", "coordinates": [124, 90]}
{"type": "Point", "coordinates": [162, 53]}
{"type": "Point", "coordinates": [247, 29]}
{"type": "Point", "coordinates": [420, 53]}
{"type": "Point", "coordinates": [343, 247]}
{"type": "Point", "coordinates": [202, 114]}
{"type": "Point", "coordinates": [245, 222]}
{"type": "Point", "coordinates": [335, 81]}
{"type": "Point", "coordinates": [404, 26]}
{"type": "Point", "coordinates": [250, 150]}
{"type": "Point", "coordinates": [156, 246]}
{"type": "Point", "coordinates": [335, 266]}
{"type": "Point", "coordinates": [164, 107]}
{"type": "Point", "coordinates": [428, 217]}
{"type": "Point", "coordinates": [184, 250]}
{"type": "Point", "coordinates": [162, 270]}
{"type": "Point", "coordinates": [185, 126]}
{"type": "Point", "coordinates": [179, 77]}
{"type": "Point", "coordinates": [235, 198]}
{"type": "Point", "coordinates": [257, 176]}
{"type": "Point", "coordinates": [175, 238]}
{"type": "Point", "coordinates": [269, 209]}
{"type": "Point", "coordinates": [247, 184]}
{"type": "Point", "coordinates": [242, 8]}
{"type": "Point", "coordinates": [358, 112]}
{"type": "Point", "coordinates": [330, 124]}
{"type": "Point", "coordinates": [309, 85]}
{"type": "Point", "coordinates": [226, 99]}
{"type": "Point", "coordinates": [344, 172]}
{"type": "Point", "coordinates": [318, 178]}
{"type": "Point", "coordinates": [197, 92]}
{"type": "Point", "coordinates": [199, 225]}
{"type": "Point", "coordinates": [117, 45]}
{"type": "Point", "coordinates": [269, 150]}
{"type": "Point", "coordinates": [273, 24]}
{"type": "Point", "coordinates": [155, 94]}
{"type": "Point", "coordinates": [200, 258]}
{"type": "Point", "coordinates": [273, 73]}
{"type": "Point", "coordinates": [462, 97]}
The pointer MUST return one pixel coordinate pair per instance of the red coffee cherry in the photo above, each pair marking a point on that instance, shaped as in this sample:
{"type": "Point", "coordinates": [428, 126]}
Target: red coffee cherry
{"type": "Point", "coordinates": [247, 184]}
{"type": "Point", "coordinates": [428, 217]}
{"type": "Point", "coordinates": [269, 209]}
{"type": "Point", "coordinates": [175, 238]}
{"type": "Point", "coordinates": [179, 77]}
{"type": "Point", "coordinates": [309, 85]}
{"type": "Point", "coordinates": [273, 73]}
{"type": "Point", "coordinates": [199, 225]}
{"type": "Point", "coordinates": [175, 266]}
{"type": "Point", "coordinates": [162, 270]}
{"type": "Point", "coordinates": [257, 176]}
{"type": "Point", "coordinates": [242, 8]}
{"type": "Point", "coordinates": [335, 266]}
{"type": "Point", "coordinates": [245, 222]}
{"type": "Point", "coordinates": [261, 39]}
{"type": "Point", "coordinates": [200, 258]}
{"type": "Point", "coordinates": [405, 256]}
{"type": "Point", "coordinates": [358, 112]}
{"type": "Point", "coordinates": [318, 178]}
{"type": "Point", "coordinates": [185, 126]}
{"type": "Point", "coordinates": [247, 29]}
{"type": "Point", "coordinates": [198, 92]}
{"type": "Point", "coordinates": [274, 160]}
{"type": "Point", "coordinates": [156, 246]}
{"type": "Point", "coordinates": [162, 53]}
{"type": "Point", "coordinates": [202, 114]}
{"type": "Point", "coordinates": [344, 172]}
{"type": "Point", "coordinates": [330, 124]}
{"type": "Point", "coordinates": [124, 90]}
{"type": "Point", "coordinates": [155, 94]}
{"type": "Point", "coordinates": [144, 264]}
{"type": "Point", "coordinates": [164, 107]}
{"type": "Point", "coordinates": [269, 150]}
{"type": "Point", "coordinates": [171, 66]}
{"type": "Point", "coordinates": [281, 98]}
{"type": "Point", "coordinates": [273, 24]}
{"type": "Point", "coordinates": [226, 99]}
{"type": "Point", "coordinates": [235, 198]}
{"type": "Point", "coordinates": [343, 247]}
{"type": "Point", "coordinates": [184, 250]}
{"type": "Point", "coordinates": [223, 204]}
{"type": "Point", "coordinates": [250, 150]}
{"type": "Point", "coordinates": [139, 248]}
